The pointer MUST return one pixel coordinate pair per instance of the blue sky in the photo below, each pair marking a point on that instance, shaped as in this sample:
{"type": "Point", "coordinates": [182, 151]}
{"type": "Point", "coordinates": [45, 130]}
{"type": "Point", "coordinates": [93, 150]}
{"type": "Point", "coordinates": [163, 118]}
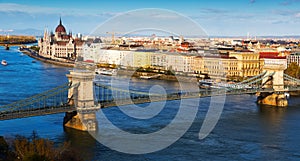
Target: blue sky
{"type": "Point", "coordinates": [217, 17]}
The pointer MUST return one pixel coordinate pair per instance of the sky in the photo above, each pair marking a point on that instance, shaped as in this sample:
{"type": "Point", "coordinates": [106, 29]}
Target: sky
{"type": "Point", "coordinates": [215, 17]}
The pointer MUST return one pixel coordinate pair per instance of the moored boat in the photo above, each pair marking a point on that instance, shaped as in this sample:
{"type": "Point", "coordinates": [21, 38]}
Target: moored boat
{"type": "Point", "coordinates": [150, 77]}
{"type": "Point", "coordinates": [110, 72]}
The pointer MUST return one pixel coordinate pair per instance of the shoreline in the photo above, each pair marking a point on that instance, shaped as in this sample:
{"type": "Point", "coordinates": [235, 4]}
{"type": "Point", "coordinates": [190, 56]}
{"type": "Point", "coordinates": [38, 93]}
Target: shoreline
{"type": "Point", "coordinates": [17, 43]}
{"type": "Point", "coordinates": [135, 74]}
{"type": "Point", "coordinates": [34, 55]}
{"type": "Point", "coordinates": [170, 78]}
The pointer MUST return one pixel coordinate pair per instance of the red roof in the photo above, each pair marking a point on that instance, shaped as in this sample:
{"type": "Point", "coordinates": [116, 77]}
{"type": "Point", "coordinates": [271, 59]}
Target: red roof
{"type": "Point", "coordinates": [60, 27]}
{"type": "Point", "coordinates": [89, 61]}
{"type": "Point", "coordinates": [61, 43]}
{"type": "Point", "coordinates": [268, 54]}
{"type": "Point", "coordinates": [274, 57]}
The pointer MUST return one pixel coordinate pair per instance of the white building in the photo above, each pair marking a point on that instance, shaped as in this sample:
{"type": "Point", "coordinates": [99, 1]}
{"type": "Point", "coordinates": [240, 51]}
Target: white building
{"type": "Point", "coordinates": [179, 63]}
{"type": "Point", "coordinates": [158, 60]}
{"type": "Point", "coordinates": [295, 57]}
{"type": "Point", "coordinates": [60, 45]}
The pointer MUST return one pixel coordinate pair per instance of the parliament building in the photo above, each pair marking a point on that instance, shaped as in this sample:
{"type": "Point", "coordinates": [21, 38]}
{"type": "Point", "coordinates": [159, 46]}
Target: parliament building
{"type": "Point", "coordinates": [61, 46]}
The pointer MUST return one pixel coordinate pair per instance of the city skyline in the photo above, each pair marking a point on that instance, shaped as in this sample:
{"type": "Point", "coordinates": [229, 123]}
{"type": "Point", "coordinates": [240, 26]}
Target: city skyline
{"type": "Point", "coordinates": [217, 18]}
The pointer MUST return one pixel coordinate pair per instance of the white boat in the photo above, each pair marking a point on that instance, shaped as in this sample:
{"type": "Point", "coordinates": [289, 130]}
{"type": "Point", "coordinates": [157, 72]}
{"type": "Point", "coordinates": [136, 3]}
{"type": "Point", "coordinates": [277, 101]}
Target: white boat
{"type": "Point", "coordinates": [287, 95]}
{"type": "Point", "coordinates": [150, 77]}
{"type": "Point", "coordinates": [106, 71]}
{"type": "Point", "coordinates": [3, 62]}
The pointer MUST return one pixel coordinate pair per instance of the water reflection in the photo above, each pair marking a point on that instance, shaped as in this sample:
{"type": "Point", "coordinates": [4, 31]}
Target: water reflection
{"type": "Point", "coordinates": [273, 130]}
{"type": "Point", "coordinates": [272, 116]}
{"type": "Point", "coordinates": [82, 142]}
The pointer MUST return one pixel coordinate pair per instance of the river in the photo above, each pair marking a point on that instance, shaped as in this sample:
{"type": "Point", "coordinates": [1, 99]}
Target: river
{"type": "Point", "coordinates": [245, 131]}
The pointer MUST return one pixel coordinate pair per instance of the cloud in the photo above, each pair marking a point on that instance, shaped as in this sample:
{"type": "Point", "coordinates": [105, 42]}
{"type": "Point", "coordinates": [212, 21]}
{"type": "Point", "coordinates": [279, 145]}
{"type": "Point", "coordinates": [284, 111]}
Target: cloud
{"type": "Point", "coordinates": [11, 8]}
{"type": "Point", "coordinates": [297, 15]}
{"type": "Point", "coordinates": [214, 11]}
{"type": "Point", "coordinates": [252, 1]}
{"type": "Point", "coordinates": [289, 2]}
{"type": "Point", "coordinates": [280, 22]}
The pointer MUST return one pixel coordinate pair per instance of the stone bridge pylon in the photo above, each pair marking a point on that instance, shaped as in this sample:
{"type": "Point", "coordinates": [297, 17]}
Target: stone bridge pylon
{"type": "Point", "coordinates": [82, 97]}
{"type": "Point", "coordinates": [274, 68]}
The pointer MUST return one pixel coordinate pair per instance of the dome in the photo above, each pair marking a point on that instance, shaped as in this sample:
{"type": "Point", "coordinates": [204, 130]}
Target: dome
{"type": "Point", "coordinates": [60, 27]}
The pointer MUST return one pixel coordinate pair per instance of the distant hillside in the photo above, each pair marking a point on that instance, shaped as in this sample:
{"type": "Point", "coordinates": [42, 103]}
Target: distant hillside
{"type": "Point", "coordinates": [12, 39]}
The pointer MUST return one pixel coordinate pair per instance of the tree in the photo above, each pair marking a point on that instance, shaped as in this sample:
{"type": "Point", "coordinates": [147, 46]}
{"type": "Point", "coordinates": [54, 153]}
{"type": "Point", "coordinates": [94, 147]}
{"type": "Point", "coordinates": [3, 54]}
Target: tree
{"type": "Point", "coordinates": [37, 149]}
{"type": "Point", "coordinates": [293, 70]}
{"type": "Point", "coordinates": [4, 149]}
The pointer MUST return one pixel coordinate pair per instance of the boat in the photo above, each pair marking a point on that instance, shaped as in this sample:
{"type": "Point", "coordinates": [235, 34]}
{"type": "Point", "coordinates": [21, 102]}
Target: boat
{"type": "Point", "coordinates": [205, 84]}
{"type": "Point", "coordinates": [3, 62]}
{"type": "Point", "coordinates": [150, 77]}
{"type": "Point", "coordinates": [109, 72]}
{"type": "Point", "coordinates": [33, 61]}
{"type": "Point", "coordinates": [287, 95]}
{"type": "Point", "coordinates": [6, 47]}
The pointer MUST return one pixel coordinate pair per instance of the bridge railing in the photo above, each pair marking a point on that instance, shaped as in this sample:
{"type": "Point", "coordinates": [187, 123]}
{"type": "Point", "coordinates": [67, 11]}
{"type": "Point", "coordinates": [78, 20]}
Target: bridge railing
{"type": "Point", "coordinates": [291, 79]}
{"type": "Point", "coordinates": [49, 101]}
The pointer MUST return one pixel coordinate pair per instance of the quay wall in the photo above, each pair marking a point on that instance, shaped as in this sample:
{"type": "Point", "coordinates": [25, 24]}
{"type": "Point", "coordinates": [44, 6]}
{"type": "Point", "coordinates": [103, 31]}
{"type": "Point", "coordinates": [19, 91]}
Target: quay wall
{"type": "Point", "coordinates": [161, 77]}
{"type": "Point", "coordinates": [45, 60]}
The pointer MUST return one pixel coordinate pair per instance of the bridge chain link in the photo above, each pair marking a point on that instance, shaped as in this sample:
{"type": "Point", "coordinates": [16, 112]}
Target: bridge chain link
{"type": "Point", "coordinates": [29, 104]}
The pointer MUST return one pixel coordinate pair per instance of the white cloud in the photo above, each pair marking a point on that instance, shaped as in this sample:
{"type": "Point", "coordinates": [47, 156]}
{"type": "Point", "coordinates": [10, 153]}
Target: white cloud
{"type": "Point", "coordinates": [12, 7]}
{"type": "Point", "coordinates": [289, 2]}
{"type": "Point", "coordinates": [297, 15]}
{"type": "Point", "coordinates": [18, 8]}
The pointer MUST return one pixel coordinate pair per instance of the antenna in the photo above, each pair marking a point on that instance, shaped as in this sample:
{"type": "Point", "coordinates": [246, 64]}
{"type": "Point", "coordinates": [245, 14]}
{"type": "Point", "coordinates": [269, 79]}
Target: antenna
{"type": "Point", "coordinates": [248, 35]}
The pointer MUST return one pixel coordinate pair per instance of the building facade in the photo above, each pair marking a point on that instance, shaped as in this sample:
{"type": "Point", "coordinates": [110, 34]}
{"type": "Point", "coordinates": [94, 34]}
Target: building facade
{"type": "Point", "coordinates": [60, 45]}
{"type": "Point", "coordinates": [216, 67]}
{"type": "Point", "coordinates": [179, 63]}
{"type": "Point", "coordinates": [295, 57]}
{"type": "Point", "coordinates": [248, 63]}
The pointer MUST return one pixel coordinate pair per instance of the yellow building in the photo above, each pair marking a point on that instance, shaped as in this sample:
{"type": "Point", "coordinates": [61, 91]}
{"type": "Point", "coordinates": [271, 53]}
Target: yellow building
{"type": "Point", "coordinates": [198, 65]}
{"type": "Point", "coordinates": [216, 67]}
{"type": "Point", "coordinates": [141, 59]}
{"type": "Point", "coordinates": [248, 63]}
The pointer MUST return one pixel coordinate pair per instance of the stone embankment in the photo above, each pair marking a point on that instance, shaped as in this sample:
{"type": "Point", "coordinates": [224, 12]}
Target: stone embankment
{"type": "Point", "coordinates": [34, 55]}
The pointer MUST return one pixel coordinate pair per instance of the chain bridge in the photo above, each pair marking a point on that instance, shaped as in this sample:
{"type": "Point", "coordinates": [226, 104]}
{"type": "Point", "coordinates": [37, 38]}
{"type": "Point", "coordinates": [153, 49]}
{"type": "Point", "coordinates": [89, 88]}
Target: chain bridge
{"type": "Point", "coordinates": [81, 97]}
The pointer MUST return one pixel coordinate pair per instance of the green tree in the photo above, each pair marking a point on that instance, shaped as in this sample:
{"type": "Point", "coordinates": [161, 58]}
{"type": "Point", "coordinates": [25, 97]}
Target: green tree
{"type": "Point", "coordinates": [293, 70]}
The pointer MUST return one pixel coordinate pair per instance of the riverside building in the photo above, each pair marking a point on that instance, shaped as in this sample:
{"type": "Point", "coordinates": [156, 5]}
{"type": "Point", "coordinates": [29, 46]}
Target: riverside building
{"type": "Point", "coordinates": [60, 45]}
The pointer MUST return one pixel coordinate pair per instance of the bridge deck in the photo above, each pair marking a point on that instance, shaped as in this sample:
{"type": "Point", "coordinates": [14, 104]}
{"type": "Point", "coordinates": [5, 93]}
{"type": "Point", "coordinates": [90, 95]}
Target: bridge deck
{"type": "Point", "coordinates": [37, 112]}
{"type": "Point", "coordinates": [13, 113]}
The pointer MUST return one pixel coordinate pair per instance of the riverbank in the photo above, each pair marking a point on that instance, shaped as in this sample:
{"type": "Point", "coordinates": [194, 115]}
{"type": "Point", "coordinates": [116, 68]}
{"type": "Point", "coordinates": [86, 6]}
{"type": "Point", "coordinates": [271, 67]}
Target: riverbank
{"type": "Point", "coordinates": [12, 40]}
{"type": "Point", "coordinates": [160, 77]}
{"type": "Point", "coordinates": [34, 55]}
{"type": "Point", "coordinates": [136, 74]}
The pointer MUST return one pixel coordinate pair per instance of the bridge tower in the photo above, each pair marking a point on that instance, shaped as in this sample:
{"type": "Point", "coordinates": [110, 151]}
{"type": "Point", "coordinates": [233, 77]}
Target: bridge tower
{"type": "Point", "coordinates": [82, 97]}
{"type": "Point", "coordinates": [275, 69]}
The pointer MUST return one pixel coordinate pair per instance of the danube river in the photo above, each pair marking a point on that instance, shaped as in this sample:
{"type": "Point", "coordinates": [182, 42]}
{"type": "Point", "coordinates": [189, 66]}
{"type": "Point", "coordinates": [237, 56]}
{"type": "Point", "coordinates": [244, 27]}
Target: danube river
{"type": "Point", "coordinates": [245, 131]}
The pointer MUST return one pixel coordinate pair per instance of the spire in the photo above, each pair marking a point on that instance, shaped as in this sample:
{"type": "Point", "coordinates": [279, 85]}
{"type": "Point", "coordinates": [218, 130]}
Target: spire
{"type": "Point", "coordinates": [60, 21]}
